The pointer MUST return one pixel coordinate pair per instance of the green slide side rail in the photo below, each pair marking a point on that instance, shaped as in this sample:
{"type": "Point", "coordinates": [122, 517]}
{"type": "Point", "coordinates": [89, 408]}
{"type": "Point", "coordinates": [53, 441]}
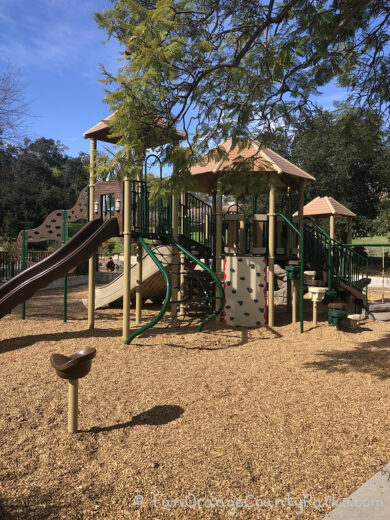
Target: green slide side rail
{"type": "Point", "coordinates": [218, 283]}
{"type": "Point", "coordinates": [157, 318]}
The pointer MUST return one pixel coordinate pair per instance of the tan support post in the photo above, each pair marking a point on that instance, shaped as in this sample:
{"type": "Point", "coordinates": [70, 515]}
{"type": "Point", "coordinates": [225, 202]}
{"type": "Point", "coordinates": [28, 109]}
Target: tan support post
{"type": "Point", "coordinates": [92, 259]}
{"type": "Point", "coordinates": [218, 234]}
{"type": "Point", "coordinates": [175, 258]}
{"type": "Point", "coordinates": [271, 257]}
{"type": "Point", "coordinates": [383, 275]}
{"type": "Point", "coordinates": [349, 237]}
{"type": "Point", "coordinates": [294, 300]}
{"type": "Point", "coordinates": [301, 201]}
{"type": "Point", "coordinates": [127, 257]}
{"type": "Point", "coordinates": [207, 224]}
{"type": "Point", "coordinates": [289, 245]}
{"type": "Point", "coordinates": [242, 235]}
{"type": "Point", "coordinates": [331, 227]}
{"type": "Point", "coordinates": [72, 405]}
{"type": "Point", "coordinates": [138, 287]}
{"type": "Point", "coordinates": [314, 312]}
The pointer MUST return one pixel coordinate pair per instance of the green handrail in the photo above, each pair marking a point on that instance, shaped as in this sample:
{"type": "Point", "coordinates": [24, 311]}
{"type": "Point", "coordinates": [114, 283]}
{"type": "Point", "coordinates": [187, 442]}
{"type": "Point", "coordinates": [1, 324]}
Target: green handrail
{"type": "Point", "coordinates": [218, 284]}
{"type": "Point", "coordinates": [358, 258]}
{"type": "Point", "coordinates": [302, 256]}
{"type": "Point", "coordinates": [167, 294]}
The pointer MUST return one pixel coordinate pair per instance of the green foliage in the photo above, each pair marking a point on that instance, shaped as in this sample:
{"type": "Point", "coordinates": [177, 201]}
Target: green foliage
{"type": "Point", "coordinates": [241, 69]}
{"type": "Point", "coordinates": [348, 154]}
{"type": "Point", "coordinates": [37, 178]}
{"type": "Point", "coordinates": [381, 225]}
{"type": "Point", "coordinates": [74, 227]}
{"type": "Point", "coordinates": [107, 248]}
{"type": "Point", "coordinates": [7, 245]}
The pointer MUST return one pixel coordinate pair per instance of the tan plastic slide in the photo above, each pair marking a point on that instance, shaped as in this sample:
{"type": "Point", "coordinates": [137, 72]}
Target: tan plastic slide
{"type": "Point", "coordinates": [153, 284]}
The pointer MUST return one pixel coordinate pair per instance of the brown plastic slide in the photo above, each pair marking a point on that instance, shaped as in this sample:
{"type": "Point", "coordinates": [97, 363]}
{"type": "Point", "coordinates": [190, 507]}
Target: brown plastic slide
{"type": "Point", "coordinates": [76, 250]}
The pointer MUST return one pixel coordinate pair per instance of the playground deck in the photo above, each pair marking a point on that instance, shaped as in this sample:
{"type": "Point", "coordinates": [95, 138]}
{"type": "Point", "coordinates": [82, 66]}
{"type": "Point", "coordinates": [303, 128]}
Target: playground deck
{"type": "Point", "coordinates": [222, 414]}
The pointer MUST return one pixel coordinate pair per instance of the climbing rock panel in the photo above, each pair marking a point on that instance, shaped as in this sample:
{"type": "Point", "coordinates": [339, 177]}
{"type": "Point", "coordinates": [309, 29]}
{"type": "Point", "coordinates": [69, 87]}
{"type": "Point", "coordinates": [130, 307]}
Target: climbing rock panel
{"type": "Point", "coordinates": [245, 282]}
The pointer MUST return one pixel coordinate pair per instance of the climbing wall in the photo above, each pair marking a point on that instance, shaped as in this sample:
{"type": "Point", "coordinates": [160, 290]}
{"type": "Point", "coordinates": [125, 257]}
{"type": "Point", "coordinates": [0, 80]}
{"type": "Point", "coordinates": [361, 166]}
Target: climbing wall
{"type": "Point", "coordinates": [245, 282]}
{"type": "Point", "coordinates": [51, 227]}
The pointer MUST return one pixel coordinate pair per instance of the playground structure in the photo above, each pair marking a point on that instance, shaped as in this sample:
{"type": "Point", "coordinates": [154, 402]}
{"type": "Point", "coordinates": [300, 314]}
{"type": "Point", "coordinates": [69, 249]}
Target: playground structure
{"type": "Point", "coordinates": [193, 233]}
{"type": "Point", "coordinates": [153, 286]}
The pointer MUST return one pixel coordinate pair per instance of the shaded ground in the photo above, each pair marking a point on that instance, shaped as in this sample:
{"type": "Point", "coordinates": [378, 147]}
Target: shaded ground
{"type": "Point", "coordinates": [221, 415]}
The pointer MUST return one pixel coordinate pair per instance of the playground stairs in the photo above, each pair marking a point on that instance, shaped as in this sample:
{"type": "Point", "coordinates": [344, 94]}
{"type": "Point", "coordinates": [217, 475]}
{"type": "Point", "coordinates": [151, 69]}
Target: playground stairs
{"type": "Point", "coordinates": [196, 248]}
{"type": "Point", "coordinates": [346, 268]}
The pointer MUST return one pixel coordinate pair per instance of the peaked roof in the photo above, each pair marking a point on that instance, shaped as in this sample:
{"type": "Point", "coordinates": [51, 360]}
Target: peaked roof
{"type": "Point", "coordinates": [101, 131]}
{"type": "Point", "coordinates": [326, 206]}
{"type": "Point", "coordinates": [263, 160]}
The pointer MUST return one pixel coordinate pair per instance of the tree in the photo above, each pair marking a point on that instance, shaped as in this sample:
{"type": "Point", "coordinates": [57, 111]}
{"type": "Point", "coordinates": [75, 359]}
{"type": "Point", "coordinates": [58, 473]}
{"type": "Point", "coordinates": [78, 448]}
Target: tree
{"type": "Point", "coordinates": [37, 178]}
{"type": "Point", "coordinates": [239, 69]}
{"type": "Point", "coordinates": [381, 225]}
{"type": "Point", "coordinates": [348, 153]}
{"type": "Point", "coordinates": [12, 105]}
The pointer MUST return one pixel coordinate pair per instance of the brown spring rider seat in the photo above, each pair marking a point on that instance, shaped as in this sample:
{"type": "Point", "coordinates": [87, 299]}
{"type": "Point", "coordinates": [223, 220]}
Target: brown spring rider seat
{"type": "Point", "coordinates": [73, 368]}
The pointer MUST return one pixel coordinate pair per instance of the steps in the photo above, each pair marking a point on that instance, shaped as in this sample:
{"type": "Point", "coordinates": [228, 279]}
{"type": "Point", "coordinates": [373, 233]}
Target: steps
{"type": "Point", "coordinates": [197, 249]}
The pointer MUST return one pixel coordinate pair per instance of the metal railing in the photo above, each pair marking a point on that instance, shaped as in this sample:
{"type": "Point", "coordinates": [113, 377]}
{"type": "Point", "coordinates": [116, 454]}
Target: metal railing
{"type": "Point", "coordinates": [10, 268]}
{"type": "Point", "coordinates": [195, 219]}
{"type": "Point", "coordinates": [318, 248]}
{"type": "Point", "coordinates": [349, 266]}
{"type": "Point", "coordinates": [149, 217]}
{"type": "Point", "coordinates": [342, 263]}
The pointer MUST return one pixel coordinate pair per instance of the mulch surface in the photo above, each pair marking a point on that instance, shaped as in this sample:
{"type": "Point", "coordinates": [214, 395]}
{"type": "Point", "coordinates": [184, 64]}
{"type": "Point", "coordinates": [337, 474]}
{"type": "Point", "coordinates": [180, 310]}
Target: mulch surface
{"type": "Point", "coordinates": [218, 416]}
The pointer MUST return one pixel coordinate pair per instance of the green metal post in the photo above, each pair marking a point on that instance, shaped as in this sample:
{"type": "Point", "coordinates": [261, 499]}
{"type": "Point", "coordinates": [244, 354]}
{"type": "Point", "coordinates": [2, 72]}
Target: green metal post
{"type": "Point", "coordinates": [366, 309]}
{"type": "Point", "coordinates": [24, 265]}
{"type": "Point", "coordinates": [330, 264]}
{"type": "Point", "coordinates": [64, 239]}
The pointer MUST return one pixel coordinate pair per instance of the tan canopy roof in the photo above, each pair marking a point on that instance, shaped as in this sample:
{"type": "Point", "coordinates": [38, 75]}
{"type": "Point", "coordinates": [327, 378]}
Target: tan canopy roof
{"type": "Point", "coordinates": [101, 130]}
{"type": "Point", "coordinates": [325, 207]}
{"type": "Point", "coordinates": [263, 160]}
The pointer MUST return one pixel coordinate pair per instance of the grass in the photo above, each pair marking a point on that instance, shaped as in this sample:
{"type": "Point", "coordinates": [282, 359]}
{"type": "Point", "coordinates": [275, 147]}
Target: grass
{"type": "Point", "coordinates": [371, 240]}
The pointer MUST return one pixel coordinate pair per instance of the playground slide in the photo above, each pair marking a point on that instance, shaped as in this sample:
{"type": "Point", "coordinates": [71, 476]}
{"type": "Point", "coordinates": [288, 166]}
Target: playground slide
{"type": "Point", "coordinates": [153, 283]}
{"type": "Point", "coordinates": [76, 250]}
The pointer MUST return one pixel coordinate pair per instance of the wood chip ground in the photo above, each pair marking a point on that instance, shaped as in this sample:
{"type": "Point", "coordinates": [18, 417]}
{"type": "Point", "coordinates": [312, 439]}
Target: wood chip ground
{"type": "Point", "coordinates": [221, 415]}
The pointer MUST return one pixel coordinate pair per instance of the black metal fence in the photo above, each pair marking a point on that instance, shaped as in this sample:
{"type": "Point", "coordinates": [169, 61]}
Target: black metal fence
{"type": "Point", "coordinates": [10, 268]}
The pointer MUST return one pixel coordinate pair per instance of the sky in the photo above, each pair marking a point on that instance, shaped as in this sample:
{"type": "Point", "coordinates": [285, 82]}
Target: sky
{"type": "Point", "coordinates": [57, 49]}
